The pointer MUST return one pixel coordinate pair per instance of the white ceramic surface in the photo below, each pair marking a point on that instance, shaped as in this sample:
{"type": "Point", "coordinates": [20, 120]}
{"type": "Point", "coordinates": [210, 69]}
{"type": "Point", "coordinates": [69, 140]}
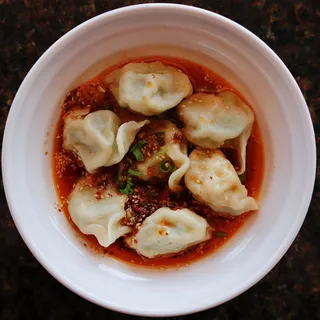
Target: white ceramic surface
{"type": "Point", "coordinates": [242, 59]}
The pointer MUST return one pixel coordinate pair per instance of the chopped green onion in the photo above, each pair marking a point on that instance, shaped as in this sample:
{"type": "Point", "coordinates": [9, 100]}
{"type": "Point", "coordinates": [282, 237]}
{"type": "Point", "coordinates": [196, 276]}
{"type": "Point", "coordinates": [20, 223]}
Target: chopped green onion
{"type": "Point", "coordinates": [125, 186]}
{"type": "Point", "coordinates": [134, 172]}
{"type": "Point", "coordinates": [167, 166]}
{"type": "Point", "coordinates": [138, 154]}
{"type": "Point", "coordinates": [121, 183]}
{"type": "Point", "coordinates": [136, 150]}
{"type": "Point", "coordinates": [220, 234]}
{"type": "Point", "coordinates": [128, 188]}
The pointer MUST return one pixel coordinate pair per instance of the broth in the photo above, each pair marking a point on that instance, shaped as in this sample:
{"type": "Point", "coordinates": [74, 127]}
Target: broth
{"type": "Point", "coordinates": [204, 80]}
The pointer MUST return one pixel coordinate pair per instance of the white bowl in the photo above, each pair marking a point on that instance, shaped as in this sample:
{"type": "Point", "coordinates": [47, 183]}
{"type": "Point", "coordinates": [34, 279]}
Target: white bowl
{"type": "Point", "coordinates": [241, 58]}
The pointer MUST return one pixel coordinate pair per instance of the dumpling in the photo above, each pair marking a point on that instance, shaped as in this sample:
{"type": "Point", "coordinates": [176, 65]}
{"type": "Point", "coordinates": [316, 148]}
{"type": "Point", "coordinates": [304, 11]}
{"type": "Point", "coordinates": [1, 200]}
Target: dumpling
{"type": "Point", "coordinates": [98, 138]}
{"type": "Point", "coordinates": [218, 120]}
{"type": "Point", "coordinates": [149, 88]}
{"type": "Point", "coordinates": [167, 232]}
{"type": "Point", "coordinates": [212, 180]}
{"type": "Point", "coordinates": [98, 214]}
{"type": "Point", "coordinates": [170, 160]}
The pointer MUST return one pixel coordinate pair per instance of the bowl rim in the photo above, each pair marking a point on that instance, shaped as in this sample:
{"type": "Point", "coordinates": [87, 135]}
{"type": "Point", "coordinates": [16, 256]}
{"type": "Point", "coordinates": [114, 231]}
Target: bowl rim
{"type": "Point", "coordinates": [52, 50]}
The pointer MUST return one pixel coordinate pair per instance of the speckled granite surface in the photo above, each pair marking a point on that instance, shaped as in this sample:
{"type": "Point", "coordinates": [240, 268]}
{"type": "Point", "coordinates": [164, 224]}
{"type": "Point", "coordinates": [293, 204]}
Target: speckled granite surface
{"type": "Point", "coordinates": [292, 28]}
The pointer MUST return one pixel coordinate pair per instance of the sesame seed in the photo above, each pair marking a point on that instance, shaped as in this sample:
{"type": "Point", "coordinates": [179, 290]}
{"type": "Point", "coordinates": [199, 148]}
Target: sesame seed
{"type": "Point", "coordinates": [62, 161]}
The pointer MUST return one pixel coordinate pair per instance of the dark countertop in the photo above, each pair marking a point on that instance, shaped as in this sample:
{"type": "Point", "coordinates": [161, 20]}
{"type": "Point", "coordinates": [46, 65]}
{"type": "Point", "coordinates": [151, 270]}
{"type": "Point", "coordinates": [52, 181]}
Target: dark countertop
{"type": "Point", "coordinates": [291, 28]}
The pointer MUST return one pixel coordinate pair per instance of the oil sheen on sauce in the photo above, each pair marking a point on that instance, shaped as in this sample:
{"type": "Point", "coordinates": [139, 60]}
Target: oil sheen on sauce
{"type": "Point", "coordinates": [204, 80]}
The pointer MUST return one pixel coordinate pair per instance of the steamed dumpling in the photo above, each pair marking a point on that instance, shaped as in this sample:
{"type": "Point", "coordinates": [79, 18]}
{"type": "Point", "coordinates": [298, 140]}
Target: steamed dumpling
{"type": "Point", "coordinates": [212, 180]}
{"type": "Point", "coordinates": [218, 120]}
{"type": "Point", "coordinates": [149, 88]}
{"type": "Point", "coordinates": [168, 232]}
{"type": "Point", "coordinates": [98, 138]}
{"type": "Point", "coordinates": [98, 214]}
{"type": "Point", "coordinates": [173, 152]}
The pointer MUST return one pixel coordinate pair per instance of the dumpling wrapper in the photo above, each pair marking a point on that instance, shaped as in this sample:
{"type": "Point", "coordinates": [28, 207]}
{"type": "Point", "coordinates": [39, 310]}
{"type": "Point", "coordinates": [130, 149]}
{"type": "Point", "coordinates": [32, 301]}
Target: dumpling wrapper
{"type": "Point", "coordinates": [149, 88]}
{"type": "Point", "coordinates": [98, 138]}
{"type": "Point", "coordinates": [101, 218]}
{"type": "Point", "coordinates": [168, 232]}
{"type": "Point", "coordinates": [218, 120]}
{"type": "Point", "coordinates": [177, 152]}
{"type": "Point", "coordinates": [212, 180]}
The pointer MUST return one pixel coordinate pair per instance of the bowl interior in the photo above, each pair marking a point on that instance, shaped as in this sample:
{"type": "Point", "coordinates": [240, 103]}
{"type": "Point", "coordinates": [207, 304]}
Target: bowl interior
{"type": "Point", "coordinates": [230, 51]}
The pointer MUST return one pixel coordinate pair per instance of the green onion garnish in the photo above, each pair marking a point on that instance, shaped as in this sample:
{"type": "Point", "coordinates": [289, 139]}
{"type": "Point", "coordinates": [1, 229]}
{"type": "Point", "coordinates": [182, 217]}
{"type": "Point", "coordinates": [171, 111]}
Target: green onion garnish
{"type": "Point", "coordinates": [128, 189]}
{"type": "Point", "coordinates": [167, 166]}
{"type": "Point", "coordinates": [121, 183]}
{"type": "Point", "coordinates": [136, 150]}
{"type": "Point", "coordinates": [220, 234]}
{"type": "Point", "coordinates": [134, 172]}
